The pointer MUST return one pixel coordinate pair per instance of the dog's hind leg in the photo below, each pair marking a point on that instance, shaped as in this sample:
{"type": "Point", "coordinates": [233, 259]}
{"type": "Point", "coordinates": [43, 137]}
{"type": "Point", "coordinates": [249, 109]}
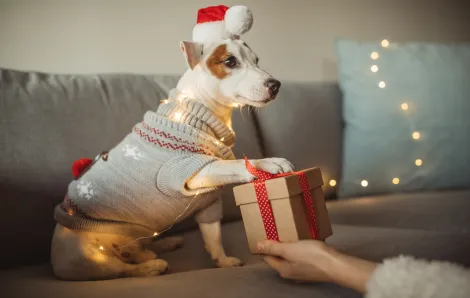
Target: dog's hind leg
{"type": "Point", "coordinates": [100, 265]}
{"type": "Point", "coordinates": [78, 256]}
{"type": "Point", "coordinates": [166, 244]}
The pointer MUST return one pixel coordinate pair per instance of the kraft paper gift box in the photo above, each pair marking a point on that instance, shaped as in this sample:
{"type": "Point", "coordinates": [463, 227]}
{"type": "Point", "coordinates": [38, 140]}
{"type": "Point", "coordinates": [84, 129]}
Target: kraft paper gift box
{"type": "Point", "coordinates": [286, 208]}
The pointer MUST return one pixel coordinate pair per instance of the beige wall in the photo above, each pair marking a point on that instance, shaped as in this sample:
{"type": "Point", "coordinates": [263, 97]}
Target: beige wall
{"type": "Point", "coordinates": [293, 38]}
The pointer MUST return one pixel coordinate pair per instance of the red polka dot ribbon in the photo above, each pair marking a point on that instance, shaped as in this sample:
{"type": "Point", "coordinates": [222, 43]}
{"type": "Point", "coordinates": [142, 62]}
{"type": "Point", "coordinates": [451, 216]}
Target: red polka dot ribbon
{"type": "Point", "coordinates": [265, 206]}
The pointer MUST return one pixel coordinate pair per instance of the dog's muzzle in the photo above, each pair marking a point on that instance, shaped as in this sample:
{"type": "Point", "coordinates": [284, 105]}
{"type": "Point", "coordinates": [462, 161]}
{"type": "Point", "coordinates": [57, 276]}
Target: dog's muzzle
{"type": "Point", "coordinates": [273, 88]}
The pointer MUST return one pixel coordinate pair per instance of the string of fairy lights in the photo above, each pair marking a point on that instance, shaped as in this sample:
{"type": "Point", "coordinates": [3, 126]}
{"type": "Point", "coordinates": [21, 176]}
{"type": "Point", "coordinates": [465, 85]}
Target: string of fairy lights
{"type": "Point", "coordinates": [405, 106]}
{"type": "Point", "coordinates": [176, 116]}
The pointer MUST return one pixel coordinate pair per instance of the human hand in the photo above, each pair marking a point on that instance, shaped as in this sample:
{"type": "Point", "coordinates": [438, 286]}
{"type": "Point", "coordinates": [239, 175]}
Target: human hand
{"type": "Point", "coordinates": [304, 261]}
{"type": "Point", "coordinates": [316, 261]}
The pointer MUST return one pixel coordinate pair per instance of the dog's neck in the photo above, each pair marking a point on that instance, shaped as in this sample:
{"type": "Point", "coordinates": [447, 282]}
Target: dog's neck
{"type": "Point", "coordinates": [193, 86]}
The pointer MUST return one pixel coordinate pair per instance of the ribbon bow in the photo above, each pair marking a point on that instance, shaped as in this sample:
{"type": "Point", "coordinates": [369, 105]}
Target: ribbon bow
{"type": "Point", "coordinates": [265, 206]}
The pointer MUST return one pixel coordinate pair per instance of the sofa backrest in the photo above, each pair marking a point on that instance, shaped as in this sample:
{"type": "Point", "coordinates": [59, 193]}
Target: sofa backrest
{"type": "Point", "coordinates": [47, 122]}
{"type": "Point", "coordinates": [305, 126]}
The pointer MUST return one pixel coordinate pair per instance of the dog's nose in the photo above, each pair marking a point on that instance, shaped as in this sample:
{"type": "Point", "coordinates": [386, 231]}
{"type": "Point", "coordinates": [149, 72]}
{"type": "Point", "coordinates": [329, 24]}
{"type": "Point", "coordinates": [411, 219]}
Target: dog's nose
{"type": "Point", "coordinates": [273, 86]}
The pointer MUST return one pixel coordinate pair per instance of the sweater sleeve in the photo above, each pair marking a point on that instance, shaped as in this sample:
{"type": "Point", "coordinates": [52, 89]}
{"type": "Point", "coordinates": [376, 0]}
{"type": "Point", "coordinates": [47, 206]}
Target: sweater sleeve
{"type": "Point", "coordinates": [407, 277]}
{"type": "Point", "coordinates": [174, 174]}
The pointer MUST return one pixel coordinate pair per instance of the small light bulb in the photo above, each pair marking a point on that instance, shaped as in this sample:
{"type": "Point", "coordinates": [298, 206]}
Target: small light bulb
{"type": "Point", "coordinates": [416, 135]}
{"type": "Point", "coordinates": [177, 116]}
{"type": "Point", "coordinates": [374, 68]}
{"type": "Point", "coordinates": [418, 162]}
{"type": "Point", "coordinates": [385, 43]}
{"type": "Point", "coordinates": [101, 247]}
{"type": "Point", "coordinates": [155, 234]}
{"type": "Point", "coordinates": [374, 55]}
{"type": "Point", "coordinates": [382, 84]}
{"type": "Point", "coordinates": [165, 101]}
{"type": "Point", "coordinates": [396, 180]}
{"type": "Point", "coordinates": [364, 183]}
{"type": "Point", "coordinates": [404, 106]}
{"type": "Point", "coordinates": [332, 182]}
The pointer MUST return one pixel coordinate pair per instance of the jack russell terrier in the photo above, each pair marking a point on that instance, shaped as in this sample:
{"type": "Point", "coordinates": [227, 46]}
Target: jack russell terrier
{"type": "Point", "coordinates": [170, 166]}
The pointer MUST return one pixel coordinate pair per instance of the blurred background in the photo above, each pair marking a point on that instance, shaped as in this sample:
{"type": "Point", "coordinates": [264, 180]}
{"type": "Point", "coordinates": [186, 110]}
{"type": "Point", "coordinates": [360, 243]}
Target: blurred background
{"type": "Point", "coordinates": [294, 38]}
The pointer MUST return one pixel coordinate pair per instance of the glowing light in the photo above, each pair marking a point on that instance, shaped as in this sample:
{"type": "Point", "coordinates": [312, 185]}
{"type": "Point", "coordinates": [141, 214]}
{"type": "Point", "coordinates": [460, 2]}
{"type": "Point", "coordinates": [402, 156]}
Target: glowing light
{"type": "Point", "coordinates": [416, 135]}
{"type": "Point", "coordinates": [165, 101]}
{"type": "Point", "coordinates": [374, 55]}
{"type": "Point", "coordinates": [395, 180]}
{"type": "Point", "coordinates": [382, 84]}
{"type": "Point", "coordinates": [222, 139]}
{"type": "Point", "coordinates": [101, 247]}
{"type": "Point", "coordinates": [374, 68]}
{"type": "Point", "coordinates": [404, 106]}
{"type": "Point", "coordinates": [177, 116]}
{"type": "Point", "coordinates": [155, 234]}
{"type": "Point", "coordinates": [418, 162]}
{"type": "Point", "coordinates": [332, 183]}
{"type": "Point", "coordinates": [235, 105]}
{"type": "Point", "coordinates": [364, 183]}
{"type": "Point", "coordinates": [385, 43]}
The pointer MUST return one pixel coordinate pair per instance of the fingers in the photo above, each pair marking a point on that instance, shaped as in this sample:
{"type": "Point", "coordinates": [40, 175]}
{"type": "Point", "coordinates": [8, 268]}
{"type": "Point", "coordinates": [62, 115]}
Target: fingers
{"type": "Point", "coordinates": [271, 248]}
{"type": "Point", "coordinates": [274, 262]}
{"type": "Point", "coordinates": [281, 266]}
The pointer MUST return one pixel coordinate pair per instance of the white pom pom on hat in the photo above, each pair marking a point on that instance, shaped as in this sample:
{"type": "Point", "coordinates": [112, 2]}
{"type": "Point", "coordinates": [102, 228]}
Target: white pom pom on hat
{"type": "Point", "coordinates": [222, 22]}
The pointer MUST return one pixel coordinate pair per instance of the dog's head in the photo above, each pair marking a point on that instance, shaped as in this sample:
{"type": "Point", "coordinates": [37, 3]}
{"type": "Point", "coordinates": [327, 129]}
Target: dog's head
{"type": "Point", "coordinates": [228, 71]}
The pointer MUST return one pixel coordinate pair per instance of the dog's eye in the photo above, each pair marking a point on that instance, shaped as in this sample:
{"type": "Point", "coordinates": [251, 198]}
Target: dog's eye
{"type": "Point", "coordinates": [231, 62]}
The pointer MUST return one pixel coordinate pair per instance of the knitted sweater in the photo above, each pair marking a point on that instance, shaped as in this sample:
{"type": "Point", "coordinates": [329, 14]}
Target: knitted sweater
{"type": "Point", "coordinates": [139, 186]}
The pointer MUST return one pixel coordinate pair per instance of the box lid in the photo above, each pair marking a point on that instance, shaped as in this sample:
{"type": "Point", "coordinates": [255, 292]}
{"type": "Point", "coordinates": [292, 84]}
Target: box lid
{"type": "Point", "coordinates": [278, 188]}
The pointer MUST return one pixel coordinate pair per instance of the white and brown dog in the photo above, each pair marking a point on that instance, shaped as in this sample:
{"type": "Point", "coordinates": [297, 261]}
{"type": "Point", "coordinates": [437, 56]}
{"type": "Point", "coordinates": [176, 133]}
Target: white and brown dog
{"type": "Point", "coordinates": [223, 72]}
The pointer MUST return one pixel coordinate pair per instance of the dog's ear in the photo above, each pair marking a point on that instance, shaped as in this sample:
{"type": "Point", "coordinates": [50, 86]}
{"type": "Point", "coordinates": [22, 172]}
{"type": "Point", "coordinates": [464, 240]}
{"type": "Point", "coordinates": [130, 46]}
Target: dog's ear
{"type": "Point", "coordinates": [192, 52]}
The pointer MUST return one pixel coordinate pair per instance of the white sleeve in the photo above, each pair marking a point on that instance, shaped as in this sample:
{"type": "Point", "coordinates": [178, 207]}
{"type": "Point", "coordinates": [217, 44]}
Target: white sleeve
{"type": "Point", "coordinates": [407, 277]}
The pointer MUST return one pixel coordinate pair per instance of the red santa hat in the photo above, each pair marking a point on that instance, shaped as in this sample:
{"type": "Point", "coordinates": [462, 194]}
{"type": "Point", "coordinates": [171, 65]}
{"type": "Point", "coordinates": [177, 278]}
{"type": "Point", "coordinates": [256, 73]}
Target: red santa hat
{"type": "Point", "coordinates": [222, 22]}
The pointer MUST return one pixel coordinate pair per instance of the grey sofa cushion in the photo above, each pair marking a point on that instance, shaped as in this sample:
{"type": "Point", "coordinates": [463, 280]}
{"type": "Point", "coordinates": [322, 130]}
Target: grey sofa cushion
{"type": "Point", "coordinates": [47, 122]}
{"type": "Point", "coordinates": [253, 280]}
{"type": "Point", "coordinates": [304, 125]}
{"type": "Point", "coordinates": [446, 211]}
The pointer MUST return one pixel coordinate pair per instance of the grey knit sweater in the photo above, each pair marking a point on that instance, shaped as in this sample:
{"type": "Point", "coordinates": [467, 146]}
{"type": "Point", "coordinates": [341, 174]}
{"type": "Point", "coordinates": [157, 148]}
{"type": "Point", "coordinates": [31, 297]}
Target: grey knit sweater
{"type": "Point", "coordinates": [140, 186]}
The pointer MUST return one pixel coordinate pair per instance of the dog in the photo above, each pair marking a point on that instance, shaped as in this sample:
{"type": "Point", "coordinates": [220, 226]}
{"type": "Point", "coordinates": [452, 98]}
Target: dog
{"type": "Point", "coordinates": [221, 75]}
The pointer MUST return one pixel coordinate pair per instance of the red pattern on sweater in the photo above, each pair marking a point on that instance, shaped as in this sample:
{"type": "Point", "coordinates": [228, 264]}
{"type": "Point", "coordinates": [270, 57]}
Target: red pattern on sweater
{"type": "Point", "coordinates": [169, 136]}
{"type": "Point", "coordinates": [164, 144]}
{"type": "Point", "coordinates": [69, 207]}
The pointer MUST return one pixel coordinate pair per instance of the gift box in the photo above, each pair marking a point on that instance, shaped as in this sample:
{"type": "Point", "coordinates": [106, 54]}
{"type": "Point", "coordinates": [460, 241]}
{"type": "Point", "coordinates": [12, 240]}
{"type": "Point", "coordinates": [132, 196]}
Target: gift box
{"type": "Point", "coordinates": [284, 207]}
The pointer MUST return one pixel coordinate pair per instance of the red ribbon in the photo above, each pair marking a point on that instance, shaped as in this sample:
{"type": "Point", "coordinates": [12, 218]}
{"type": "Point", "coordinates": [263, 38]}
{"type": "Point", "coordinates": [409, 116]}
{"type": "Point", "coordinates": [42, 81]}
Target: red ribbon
{"type": "Point", "coordinates": [265, 206]}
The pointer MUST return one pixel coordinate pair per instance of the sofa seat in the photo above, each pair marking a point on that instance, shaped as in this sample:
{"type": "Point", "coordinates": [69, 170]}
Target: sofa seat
{"type": "Point", "coordinates": [193, 274]}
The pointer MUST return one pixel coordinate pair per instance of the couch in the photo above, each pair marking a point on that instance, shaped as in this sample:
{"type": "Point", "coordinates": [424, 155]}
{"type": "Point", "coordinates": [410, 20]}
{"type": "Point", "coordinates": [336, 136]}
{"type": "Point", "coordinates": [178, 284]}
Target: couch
{"type": "Point", "coordinates": [47, 121]}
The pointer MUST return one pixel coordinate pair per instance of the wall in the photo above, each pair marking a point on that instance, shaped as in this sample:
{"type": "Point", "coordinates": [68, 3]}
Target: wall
{"type": "Point", "coordinates": [293, 38]}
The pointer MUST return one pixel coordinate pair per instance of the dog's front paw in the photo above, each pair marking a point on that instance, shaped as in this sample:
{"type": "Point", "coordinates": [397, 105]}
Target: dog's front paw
{"type": "Point", "coordinates": [226, 262]}
{"type": "Point", "coordinates": [274, 165]}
